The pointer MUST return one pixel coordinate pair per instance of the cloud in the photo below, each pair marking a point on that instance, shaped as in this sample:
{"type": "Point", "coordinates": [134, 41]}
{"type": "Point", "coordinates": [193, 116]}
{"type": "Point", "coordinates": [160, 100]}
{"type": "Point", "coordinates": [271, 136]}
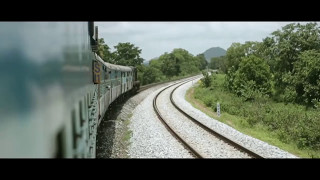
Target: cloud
{"type": "Point", "coordinates": [156, 38]}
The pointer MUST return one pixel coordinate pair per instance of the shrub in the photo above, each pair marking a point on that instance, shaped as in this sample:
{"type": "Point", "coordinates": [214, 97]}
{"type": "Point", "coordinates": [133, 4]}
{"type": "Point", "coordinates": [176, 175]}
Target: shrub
{"type": "Point", "coordinates": [206, 79]}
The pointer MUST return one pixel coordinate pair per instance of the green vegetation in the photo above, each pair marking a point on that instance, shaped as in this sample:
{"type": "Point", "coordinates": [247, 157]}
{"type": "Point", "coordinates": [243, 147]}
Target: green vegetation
{"type": "Point", "coordinates": [206, 79]}
{"type": "Point", "coordinates": [288, 126]}
{"type": "Point", "coordinates": [272, 86]}
{"type": "Point", "coordinates": [125, 54]}
{"type": "Point", "coordinates": [128, 133]}
{"type": "Point", "coordinates": [169, 66]}
{"type": "Point", "coordinates": [218, 63]}
{"type": "Point", "coordinates": [251, 78]}
{"type": "Point", "coordinates": [178, 63]}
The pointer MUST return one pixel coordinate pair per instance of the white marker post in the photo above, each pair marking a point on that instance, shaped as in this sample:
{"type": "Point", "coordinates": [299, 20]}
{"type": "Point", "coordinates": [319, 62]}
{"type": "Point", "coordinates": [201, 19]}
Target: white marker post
{"type": "Point", "coordinates": [218, 109]}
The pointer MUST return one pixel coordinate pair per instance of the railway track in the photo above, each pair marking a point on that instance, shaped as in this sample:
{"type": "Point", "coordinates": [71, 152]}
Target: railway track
{"type": "Point", "coordinates": [185, 143]}
{"type": "Point", "coordinates": [145, 87]}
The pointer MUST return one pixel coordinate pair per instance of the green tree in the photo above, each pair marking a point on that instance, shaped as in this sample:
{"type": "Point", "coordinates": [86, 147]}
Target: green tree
{"type": "Point", "coordinates": [152, 75]}
{"type": "Point", "coordinates": [202, 62]}
{"type": "Point", "coordinates": [104, 51]}
{"type": "Point", "coordinates": [186, 63]}
{"type": "Point", "coordinates": [234, 55]}
{"type": "Point", "coordinates": [177, 63]}
{"type": "Point", "coordinates": [306, 78]}
{"type": "Point", "coordinates": [236, 51]}
{"type": "Point", "coordinates": [169, 65]}
{"type": "Point", "coordinates": [218, 63]}
{"type": "Point", "coordinates": [156, 63]}
{"type": "Point", "coordinates": [141, 69]}
{"type": "Point", "coordinates": [252, 76]}
{"type": "Point", "coordinates": [282, 50]}
{"type": "Point", "coordinates": [127, 54]}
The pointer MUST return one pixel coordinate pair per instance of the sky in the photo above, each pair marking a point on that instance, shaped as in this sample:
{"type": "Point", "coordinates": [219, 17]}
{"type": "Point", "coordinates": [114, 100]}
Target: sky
{"type": "Point", "coordinates": [156, 38]}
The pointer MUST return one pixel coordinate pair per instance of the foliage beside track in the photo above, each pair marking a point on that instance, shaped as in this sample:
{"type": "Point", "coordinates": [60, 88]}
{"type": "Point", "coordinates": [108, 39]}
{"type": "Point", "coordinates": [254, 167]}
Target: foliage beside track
{"type": "Point", "coordinates": [273, 84]}
{"type": "Point", "coordinates": [169, 66]}
{"type": "Point", "coordinates": [291, 124]}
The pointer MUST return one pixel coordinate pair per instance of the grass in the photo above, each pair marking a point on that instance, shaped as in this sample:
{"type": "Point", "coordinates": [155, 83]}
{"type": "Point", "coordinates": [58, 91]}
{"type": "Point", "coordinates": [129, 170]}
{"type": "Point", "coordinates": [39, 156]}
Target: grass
{"type": "Point", "coordinates": [125, 136]}
{"type": "Point", "coordinates": [128, 133]}
{"type": "Point", "coordinates": [240, 123]}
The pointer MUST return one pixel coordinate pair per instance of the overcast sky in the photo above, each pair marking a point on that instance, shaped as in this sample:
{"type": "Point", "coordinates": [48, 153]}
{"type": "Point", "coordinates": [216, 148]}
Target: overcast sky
{"type": "Point", "coordinates": [156, 38]}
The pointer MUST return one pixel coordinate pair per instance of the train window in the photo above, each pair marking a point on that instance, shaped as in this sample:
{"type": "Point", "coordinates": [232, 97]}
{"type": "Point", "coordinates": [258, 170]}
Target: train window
{"type": "Point", "coordinates": [112, 74]}
{"type": "Point", "coordinates": [107, 75]}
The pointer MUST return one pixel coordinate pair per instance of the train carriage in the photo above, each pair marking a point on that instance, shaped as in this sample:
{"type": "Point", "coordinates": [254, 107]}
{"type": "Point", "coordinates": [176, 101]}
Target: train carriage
{"type": "Point", "coordinates": [51, 101]}
{"type": "Point", "coordinates": [113, 83]}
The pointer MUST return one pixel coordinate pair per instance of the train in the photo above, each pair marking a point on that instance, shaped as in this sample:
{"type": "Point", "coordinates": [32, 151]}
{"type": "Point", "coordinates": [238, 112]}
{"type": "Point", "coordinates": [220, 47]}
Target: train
{"type": "Point", "coordinates": [55, 89]}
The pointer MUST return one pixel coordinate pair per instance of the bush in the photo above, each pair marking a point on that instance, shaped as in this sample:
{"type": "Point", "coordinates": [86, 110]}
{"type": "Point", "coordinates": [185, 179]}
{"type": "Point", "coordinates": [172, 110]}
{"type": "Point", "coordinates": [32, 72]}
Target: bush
{"type": "Point", "coordinates": [252, 76]}
{"type": "Point", "coordinates": [206, 79]}
{"type": "Point", "coordinates": [291, 122]}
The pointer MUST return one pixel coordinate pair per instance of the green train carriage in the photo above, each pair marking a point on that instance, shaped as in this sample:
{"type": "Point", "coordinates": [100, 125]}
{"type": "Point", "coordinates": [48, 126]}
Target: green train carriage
{"type": "Point", "coordinates": [50, 104]}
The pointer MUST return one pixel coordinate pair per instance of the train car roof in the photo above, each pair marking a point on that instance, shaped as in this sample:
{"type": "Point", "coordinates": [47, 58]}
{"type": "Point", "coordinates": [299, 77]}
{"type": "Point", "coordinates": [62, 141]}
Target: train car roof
{"type": "Point", "coordinates": [113, 66]}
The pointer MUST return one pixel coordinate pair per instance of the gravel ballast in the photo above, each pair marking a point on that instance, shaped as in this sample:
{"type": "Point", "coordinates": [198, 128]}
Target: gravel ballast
{"type": "Point", "coordinates": [208, 145]}
{"type": "Point", "coordinates": [262, 148]}
{"type": "Point", "coordinates": [150, 139]}
{"type": "Point", "coordinates": [113, 131]}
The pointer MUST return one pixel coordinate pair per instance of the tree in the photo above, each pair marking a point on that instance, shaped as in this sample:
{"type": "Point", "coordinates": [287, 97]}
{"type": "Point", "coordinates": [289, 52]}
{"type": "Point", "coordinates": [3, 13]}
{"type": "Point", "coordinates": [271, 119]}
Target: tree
{"type": "Point", "coordinates": [218, 63]}
{"type": "Point", "coordinates": [127, 54]}
{"type": "Point", "coordinates": [306, 79]}
{"type": "Point", "coordinates": [152, 75]}
{"type": "Point", "coordinates": [234, 55]}
{"type": "Point", "coordinates": [202, 62]}
{"type": "Point", "coordinates": [186, 63]}
{"type": "Point", "coordinates": [177, 63]}
{"type": "Point", "coordinates": [169, 65]}
{"type": "Point", "coordinates": [156, 63]}
{"type": "Point", "coordinates": [141, 69]}
{"type": "Point", "coordinates": [104, 51]}
{"type": "Point", "coordinates": [285, 46]}
{"type": "Point", "coordinates": [236, 51]}
{"type": "Point", "coordinates": [253, 75]}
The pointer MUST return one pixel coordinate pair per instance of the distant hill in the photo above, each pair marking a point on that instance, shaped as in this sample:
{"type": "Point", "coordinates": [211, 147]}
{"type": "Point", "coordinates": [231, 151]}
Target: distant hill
{"type": "Point", "coordinates": [214, 52]}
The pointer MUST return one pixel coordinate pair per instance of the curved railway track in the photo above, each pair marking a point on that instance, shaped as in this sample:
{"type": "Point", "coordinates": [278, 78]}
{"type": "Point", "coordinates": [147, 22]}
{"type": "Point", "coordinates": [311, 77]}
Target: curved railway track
{"type": "Point", "coordinates": [145, 87]}
{"type": "Point", "coordinates": [162, 119]}
{"type": "Point", "coordinates": [209, 130]}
